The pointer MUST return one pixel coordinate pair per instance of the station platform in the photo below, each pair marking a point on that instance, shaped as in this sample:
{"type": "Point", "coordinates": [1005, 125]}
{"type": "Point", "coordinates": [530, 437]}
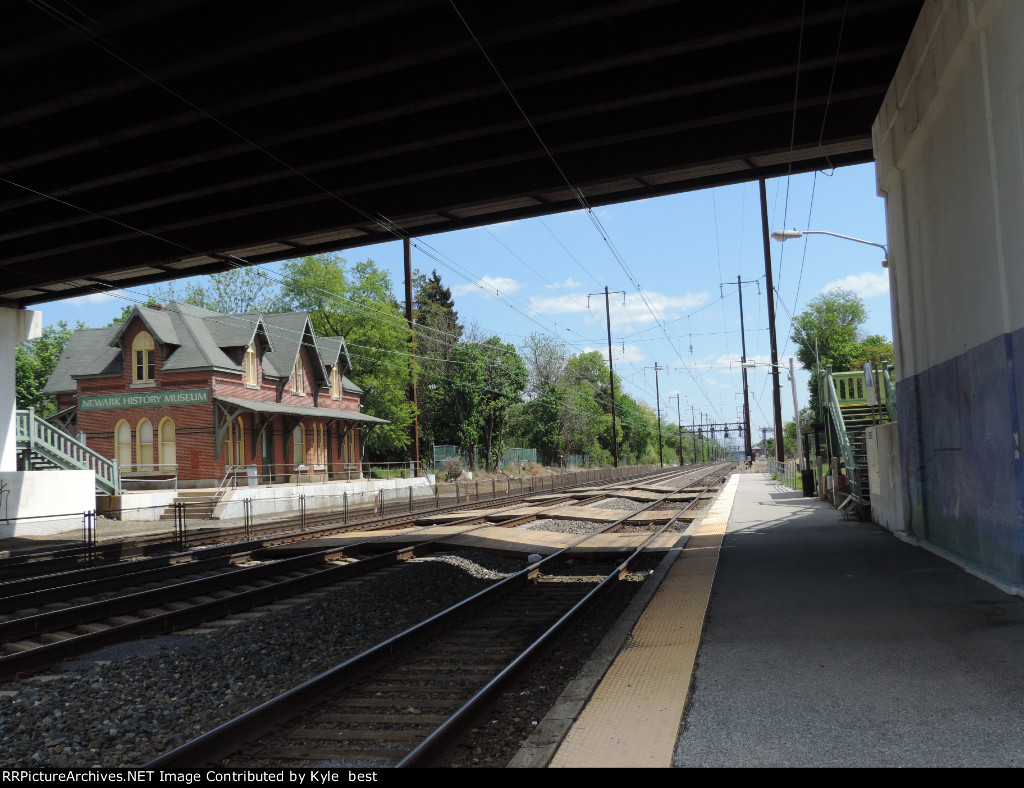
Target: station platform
{"type": "Point", "coordinates": [792, 637]}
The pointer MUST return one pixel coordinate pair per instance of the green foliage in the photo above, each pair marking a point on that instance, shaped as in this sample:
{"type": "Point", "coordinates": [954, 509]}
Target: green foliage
{"type": "Point", "coordinates": [875, 349]}
{"type": "Point", "coordinates": [357, 302]}
{"type": "Point", "coordinates": [34, 362]}
{"type": "Point", "coordinates": [826, 333]}
{"type": "Point", "coordinates": [232, 292]}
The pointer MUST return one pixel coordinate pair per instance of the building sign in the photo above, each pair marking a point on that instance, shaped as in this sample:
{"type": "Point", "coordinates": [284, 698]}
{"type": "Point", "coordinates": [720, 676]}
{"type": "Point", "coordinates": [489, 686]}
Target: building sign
{"type": "Point", "coordinates": [148, 399]}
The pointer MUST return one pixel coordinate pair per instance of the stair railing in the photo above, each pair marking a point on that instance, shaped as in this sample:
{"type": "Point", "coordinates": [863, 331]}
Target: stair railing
{"type": "Point", "coordinates": [890, 391]}
{"type": "Point", "coordinates": [38, 437]}
{"type": "Point", "coordinates": [835, 414]}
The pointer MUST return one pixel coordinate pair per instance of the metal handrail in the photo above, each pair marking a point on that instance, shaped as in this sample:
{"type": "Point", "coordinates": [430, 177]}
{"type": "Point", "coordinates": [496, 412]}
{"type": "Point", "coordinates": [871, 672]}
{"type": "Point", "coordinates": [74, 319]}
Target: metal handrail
{"type": "Point", "coordinates": [890, 391]}
{"type": "Point", "coordinates": [37, 435]}
{"type": "Point", "coordinates": [846, 450]}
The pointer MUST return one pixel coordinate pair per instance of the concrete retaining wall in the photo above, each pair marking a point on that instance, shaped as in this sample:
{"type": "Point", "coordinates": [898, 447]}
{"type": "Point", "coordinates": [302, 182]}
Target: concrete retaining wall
{"type": "Point", "coordinates": [35, 503]}
{"type": "Point", "coordinates": [282, 500]}
{"type": "Point", "coordinates": [885, 479]}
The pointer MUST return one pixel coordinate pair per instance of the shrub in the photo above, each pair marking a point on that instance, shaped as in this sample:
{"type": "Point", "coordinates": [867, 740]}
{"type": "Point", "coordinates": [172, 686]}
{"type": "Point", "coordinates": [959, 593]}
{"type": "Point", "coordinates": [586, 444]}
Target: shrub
{"type": "Point", "coordinates": [451, 469]}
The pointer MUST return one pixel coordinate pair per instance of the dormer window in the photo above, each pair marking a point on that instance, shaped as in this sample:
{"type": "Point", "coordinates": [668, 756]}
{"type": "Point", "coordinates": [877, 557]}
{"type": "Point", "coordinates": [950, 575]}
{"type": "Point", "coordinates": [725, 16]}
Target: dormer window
{"type": "Point", "coordinates": [298, 382]}
{"type": "Point", "coordinates": [143, 358]}
{"type": "Point", "coordinates": [250, 366]}
{"type": "Point", "coordinates": [335, 383]}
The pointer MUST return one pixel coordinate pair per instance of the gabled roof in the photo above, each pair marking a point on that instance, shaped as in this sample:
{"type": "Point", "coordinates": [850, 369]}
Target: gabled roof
{"type": "Point", "coordinates": [289, 331]}
{"type": "Point", "coordinates": [88, 353]}
{"type": "Point", "coordinates": [237, 330]}
{"type": "Point", "coordinates": [196, 338]}
{"type": "Point", "coordinates": [349, 386]}
{"type": "Point", "coordinates": [332, 349]}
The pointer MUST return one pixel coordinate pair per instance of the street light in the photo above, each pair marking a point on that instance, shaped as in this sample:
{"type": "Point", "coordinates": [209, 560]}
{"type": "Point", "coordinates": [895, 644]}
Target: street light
{"type": "Point", "coordinates": [796, 408]}
{"type": "Point", "coordinates": [784, 235]}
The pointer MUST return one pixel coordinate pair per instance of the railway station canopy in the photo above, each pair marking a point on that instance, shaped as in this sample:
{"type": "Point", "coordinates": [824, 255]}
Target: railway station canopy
{"type": "Point", "coordinates": [147, 140]}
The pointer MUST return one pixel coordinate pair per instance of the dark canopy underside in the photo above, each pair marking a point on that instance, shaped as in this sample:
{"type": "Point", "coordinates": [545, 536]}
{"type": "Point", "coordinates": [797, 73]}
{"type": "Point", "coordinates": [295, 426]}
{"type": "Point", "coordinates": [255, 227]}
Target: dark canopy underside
{"type": "Point", "coordinates": [147, 140]}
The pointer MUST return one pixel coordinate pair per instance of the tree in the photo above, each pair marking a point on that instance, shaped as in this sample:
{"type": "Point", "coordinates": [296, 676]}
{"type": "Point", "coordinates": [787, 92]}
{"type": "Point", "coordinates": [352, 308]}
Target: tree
{"type": "Point", "coordinates": [826, 334]}
{"type": "Point", "coordinates": [875, 349]}
{"type": "Point", "coordinates": [504, 378]}
{"type": "Point", "coordinates": [438, 332]}
{"type": "Point", "coordinates": [231, 292]}
{"type": "Point", "coordinates": [34, 362]}
{"type": "Point", "coordinates": [357, 302]}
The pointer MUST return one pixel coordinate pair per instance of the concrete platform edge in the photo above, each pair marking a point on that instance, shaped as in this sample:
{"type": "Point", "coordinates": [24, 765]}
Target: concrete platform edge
{"type": "Point", "coordinates": [541, 746]}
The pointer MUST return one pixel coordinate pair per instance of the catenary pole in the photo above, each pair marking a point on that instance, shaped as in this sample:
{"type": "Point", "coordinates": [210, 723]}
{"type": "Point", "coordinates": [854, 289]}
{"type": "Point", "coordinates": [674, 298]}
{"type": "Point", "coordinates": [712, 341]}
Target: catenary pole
{"type": "Point", "coordinates": [780, 452]}
{"type": "Point", "coordinates": [748, 449]}
{"type": "Point", "coordinates": [414, 449]}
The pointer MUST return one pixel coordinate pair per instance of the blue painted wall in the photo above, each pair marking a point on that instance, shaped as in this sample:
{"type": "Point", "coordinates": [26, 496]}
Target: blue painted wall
{"type": "Point", "coordinates": [959, 430]}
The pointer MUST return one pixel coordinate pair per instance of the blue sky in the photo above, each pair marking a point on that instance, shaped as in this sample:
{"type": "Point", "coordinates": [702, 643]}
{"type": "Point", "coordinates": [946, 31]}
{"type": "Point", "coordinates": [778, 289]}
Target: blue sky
{"type": "Point", "coordinates": [534, 275]}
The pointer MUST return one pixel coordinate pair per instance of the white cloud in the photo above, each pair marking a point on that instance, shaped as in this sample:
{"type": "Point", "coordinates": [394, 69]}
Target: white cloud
{"type": "Point", "coordinates": [490, 284]}
{"type": "Point", "coordinates": [621, 354]}
{"type": "Point", "coordinates": [866, 285]}
{"type": "Point", "coordinates": [568, 284]}
{"type": "Point", "coordinates": [96, 298]}
{"type": "Point", "coordinates": [558, 305]}
{"type": "Point", "coordinates": [667, 307]}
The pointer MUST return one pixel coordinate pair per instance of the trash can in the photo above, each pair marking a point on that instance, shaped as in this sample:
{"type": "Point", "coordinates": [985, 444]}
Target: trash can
{"type": "Point", "coordinates": [807, 477]}
{"type": "Point", "coordinates": [251, 477]}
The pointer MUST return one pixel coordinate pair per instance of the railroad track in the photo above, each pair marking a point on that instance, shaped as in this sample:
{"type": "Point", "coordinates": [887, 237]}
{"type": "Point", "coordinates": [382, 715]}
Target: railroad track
{"type": "Point", "coordinates": [405, 701]}
{"type": "Point", "coordinates": [27, 562]}
{"type": "Point", "coordinates": [32, 637]}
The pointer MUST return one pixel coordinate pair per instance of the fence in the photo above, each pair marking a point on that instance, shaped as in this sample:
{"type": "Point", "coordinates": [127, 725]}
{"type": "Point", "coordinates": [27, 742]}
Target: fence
{"type": "Point", "coordinates": [442, 452]}
{"type": "Point", "coordinates": [786, 472]}
{"type": "Point", "coordinates": [180, 518]}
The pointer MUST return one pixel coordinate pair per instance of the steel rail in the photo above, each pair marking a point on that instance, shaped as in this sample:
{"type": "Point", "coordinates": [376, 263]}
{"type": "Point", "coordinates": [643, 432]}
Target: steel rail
{"type": "Point", "coordinates": [221, 741]}
{"type": "Point", "coordinates": [37, 656]}
{"type": "Point", "coordinates": [443, 736]}
{"type": "Point", "coordinates": [130, 548]}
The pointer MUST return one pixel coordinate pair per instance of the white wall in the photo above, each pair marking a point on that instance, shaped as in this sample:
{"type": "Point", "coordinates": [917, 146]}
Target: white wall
{"type": "Point", "coordinates": [34, 503]}
{"type": "Point", "coordinates": [16, 326]}
{"type": "Point", "coordinates": [279, 500]}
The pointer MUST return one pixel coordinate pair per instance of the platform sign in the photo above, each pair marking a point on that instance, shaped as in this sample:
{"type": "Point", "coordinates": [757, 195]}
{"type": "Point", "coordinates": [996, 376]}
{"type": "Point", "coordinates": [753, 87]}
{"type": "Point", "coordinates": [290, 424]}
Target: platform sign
{"type": "Point", "coordinates": [147, 399]}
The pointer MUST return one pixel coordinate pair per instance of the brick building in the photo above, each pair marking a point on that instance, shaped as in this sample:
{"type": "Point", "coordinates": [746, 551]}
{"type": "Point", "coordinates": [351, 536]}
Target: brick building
{"type": "Point", "coordinates": [181, 390]}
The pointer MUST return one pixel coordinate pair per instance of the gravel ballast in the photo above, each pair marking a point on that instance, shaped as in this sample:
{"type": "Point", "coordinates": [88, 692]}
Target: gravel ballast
{"type": "Point", "coordinates": [155, 695]}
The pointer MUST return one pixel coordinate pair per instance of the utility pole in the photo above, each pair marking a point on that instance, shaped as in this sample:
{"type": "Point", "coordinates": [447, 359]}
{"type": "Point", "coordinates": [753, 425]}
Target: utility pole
{"type": "Point", "coordinates": [780, 454]}
{"type": "Point", "coordinates": [796, 419]}
{"type": "Point", "coordinates": [415, 429]}
{"type": "Point", "coordinates": [611, 370]}
{"type": "Point", "coordinates": [694, 434]}
{"type": "Point", "coordinates": [657, 394]}
{"type": "Point", "coordinates": [679, 421]}
{"type": "Point", "coordinates": [747, 446]}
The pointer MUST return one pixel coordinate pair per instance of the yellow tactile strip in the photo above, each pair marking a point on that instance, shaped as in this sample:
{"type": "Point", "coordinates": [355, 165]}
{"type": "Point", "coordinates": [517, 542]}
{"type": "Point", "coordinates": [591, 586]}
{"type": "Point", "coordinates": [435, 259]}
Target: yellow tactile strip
{"type": "Point", "coordinates": [633, 718]}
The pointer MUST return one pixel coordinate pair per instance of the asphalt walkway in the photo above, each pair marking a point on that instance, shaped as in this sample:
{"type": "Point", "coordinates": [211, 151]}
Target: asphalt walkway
{"type": "Point", "coordinates": [829, 642]}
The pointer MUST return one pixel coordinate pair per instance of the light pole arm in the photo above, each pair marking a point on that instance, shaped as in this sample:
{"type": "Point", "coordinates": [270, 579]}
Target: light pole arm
{"type": "Point", "coordinates": [785, 235]}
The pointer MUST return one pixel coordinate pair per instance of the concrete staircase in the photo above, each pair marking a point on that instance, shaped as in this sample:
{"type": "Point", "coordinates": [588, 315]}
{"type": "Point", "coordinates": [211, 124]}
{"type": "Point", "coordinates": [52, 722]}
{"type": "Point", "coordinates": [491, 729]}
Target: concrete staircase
{"type": "Point", "coordinates": [199, 503]}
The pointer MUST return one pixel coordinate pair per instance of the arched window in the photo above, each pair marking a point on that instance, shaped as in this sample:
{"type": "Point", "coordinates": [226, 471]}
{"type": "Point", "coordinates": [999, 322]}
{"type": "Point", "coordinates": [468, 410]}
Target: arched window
{"type": "Point", "coordinates": [144, 445]}
{"type": "Point", "coordinates": [335, 383]}
{"type": "Point", "coordinates": [251, 366]}
{"type": "Point", "coordinates": [143, 358]}
{"type": "Point", "coordinates": [123, 444]}
{"type": "Point", "coordinates": [299, 444]}
{"type": "Point", "coordinates": [321, 445]}
{"type": "Point", "coordinates": [168, 447]}
{"type": "Point", "coordinates": [234, 448]}
{"type": "Point", "coordinates": [298, 382]}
